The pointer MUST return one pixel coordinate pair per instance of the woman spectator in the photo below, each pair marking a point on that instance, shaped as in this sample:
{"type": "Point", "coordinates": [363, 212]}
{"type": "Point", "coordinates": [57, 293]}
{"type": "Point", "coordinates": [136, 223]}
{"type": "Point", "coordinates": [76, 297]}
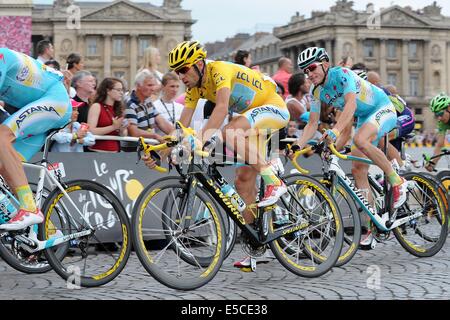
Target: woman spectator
{"type": "Point", "coordinates": [105, 116]}
{"type": "Point", "coordinates": [152, 59]}
{"type": "Point", "coordinates": [243, 57]}
{"type": "Point", "coordinates": [74, 136]}
{"type": "Point", "coordinates": [75, 63]}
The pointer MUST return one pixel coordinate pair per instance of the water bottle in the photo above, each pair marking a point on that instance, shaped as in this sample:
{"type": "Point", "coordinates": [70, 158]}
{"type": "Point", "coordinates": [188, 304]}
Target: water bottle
{"type": "Point", "coordinates": [235, 199]}
{"type": "Point", "coordinates": [7, 209]}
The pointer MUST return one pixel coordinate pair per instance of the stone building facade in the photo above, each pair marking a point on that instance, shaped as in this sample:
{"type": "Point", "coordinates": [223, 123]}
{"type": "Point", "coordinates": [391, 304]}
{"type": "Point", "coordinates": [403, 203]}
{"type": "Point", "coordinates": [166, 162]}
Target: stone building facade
{"type": "Point", "coordinates": [264, 48]}
{"type": "Point", "coordinates": [110, 35]}
{"type": "Point", "coordinates": [409, 48]}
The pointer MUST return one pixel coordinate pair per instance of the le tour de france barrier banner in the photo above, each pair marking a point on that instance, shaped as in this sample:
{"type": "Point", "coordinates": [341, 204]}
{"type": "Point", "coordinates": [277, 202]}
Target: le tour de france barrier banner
{"type": "Point", "coordinates": [120, 173]}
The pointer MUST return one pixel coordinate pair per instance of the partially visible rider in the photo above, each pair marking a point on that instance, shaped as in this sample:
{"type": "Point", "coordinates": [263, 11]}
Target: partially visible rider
{"type": "Point", "coordinates": [253, 99]}
{"type": "Point", "coordinates": [376, 116]}
{"type": "Point", "coordinates": [440, 106]}
{"type": "Point", "coordinates": [42, 103]}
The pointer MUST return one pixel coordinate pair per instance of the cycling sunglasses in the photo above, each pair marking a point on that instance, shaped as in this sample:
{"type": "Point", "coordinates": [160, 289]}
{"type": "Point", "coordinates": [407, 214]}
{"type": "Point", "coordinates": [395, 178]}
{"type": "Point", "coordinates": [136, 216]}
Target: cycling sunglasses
{"type": "Point", "coordinates": [183, 70]}
{"type": "Point", "coordinates": [440, 114]}
{"type": "Point", "coordinates": [311, 67]}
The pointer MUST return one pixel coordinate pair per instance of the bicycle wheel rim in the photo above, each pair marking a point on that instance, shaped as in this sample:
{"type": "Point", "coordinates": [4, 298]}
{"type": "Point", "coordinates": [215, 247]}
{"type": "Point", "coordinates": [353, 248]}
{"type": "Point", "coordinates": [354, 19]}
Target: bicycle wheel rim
{"type": "Point", "coordinates": [176, 263]}
{"type": "Point", "coordinates": [95, 259]}
{"type": "Point", "coordinates": [307, 256]}
{"type": "Point", "coordinates": [425, 235]}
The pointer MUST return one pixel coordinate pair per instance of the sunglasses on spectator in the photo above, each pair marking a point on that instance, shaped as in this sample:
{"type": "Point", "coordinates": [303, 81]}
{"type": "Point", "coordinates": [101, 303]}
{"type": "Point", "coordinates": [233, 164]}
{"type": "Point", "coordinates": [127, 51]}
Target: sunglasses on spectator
{"type": "Point", "coordinates": [183, 70]}
{"type": "Point", "coordinates": [311, 68]}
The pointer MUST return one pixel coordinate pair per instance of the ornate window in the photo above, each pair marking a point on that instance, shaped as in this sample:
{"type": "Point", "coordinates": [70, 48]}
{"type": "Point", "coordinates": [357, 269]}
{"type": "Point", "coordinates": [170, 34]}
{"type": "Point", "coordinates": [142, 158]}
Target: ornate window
{"type": "Point", "coordinates": [392, 49]}
{"type": "Point", "coordinates": [414, 84]}
{"type": "Point", "coordinates": [412, 50]}
{"type": "Point", "coordinates": [144, 43]}
{"type": "Point", "coordinates": [392, 79]}
{"type": "Point", "coordinates": [118, 46]}
{"type": "Point", "coordinates": [92, 46]}
{"type": "Point", "coordinates": [369, 49]}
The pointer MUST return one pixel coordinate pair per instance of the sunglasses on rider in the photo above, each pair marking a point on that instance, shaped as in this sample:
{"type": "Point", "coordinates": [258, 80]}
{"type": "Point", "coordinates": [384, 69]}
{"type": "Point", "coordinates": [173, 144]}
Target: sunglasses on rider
{"type": "Point", "coordinates": [183, 70]}
{"type": "Point", "coordinates": [311, 67]}
{"type": "Point", "coordinates": [440, 114]}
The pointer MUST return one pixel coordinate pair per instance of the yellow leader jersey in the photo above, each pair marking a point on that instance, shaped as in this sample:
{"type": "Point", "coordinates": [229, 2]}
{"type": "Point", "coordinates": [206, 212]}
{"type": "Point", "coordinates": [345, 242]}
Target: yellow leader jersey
{"type": "Point", "coordinates": [249, 88]}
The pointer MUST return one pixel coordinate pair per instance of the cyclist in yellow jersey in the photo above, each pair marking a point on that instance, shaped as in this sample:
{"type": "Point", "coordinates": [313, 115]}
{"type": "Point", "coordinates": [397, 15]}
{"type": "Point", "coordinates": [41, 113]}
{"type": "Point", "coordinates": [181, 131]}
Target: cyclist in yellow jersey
{"type": "Point", "coordinates": [240, 90]}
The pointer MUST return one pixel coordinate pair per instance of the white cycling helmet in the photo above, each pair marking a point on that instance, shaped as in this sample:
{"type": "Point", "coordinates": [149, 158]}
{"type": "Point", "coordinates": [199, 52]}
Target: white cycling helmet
{"type": "Point", "coordinates": [310, 55]}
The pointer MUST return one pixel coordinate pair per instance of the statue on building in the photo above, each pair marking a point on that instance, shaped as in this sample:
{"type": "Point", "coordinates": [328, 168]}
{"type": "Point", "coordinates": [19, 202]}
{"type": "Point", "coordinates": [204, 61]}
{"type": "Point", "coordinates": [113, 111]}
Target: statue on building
{"type": "Point", "coordinates": [62, 5]}
{"type": "Point", "coordinates": [172, 3]}
{"type": "Point", "coordinates": [432, 10]}
{"type": "Point", "coordinates": [342, 6]}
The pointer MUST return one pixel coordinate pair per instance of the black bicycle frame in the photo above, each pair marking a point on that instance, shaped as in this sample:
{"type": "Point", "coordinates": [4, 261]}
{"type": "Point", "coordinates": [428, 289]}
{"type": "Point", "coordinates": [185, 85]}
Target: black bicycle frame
{"type": "Point", "coordinates": [210, 181]}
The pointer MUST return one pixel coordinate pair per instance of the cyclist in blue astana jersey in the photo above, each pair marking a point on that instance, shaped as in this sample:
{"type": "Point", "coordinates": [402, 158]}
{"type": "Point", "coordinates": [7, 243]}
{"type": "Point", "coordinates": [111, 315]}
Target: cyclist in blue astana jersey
{"type": "Point", "coordinates": [42, 103]}
{"type": "Point", "coordinates": [376, 116]}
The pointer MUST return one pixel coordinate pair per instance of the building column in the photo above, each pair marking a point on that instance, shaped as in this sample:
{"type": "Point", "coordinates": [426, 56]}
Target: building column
{"type": "Point", "coordinates": [337, 56]}
{"type": "Point", "coordinates": [383, 71]}
{"type": "Point", "coordinates": [446, 80]}
{"type": "Point", "coordinates": [329, 47]}
{"type": "Point", "coordinates": [81, 40]}
{"type": "Point", "coordinates": [405, 68]}
{"type": "Point", "coordinates": [107, 55]}
{"type": "Point", "coordinates": [133, 57]}
{"type": "Point", "coordinates": [427, 70]}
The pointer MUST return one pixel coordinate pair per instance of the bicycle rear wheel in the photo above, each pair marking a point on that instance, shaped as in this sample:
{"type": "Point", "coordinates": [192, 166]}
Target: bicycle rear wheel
{"type": "Point", "coordinates": [315, 249]}
{"type": "Point", "coordinates": [20, 259]}
{"type": "Point", "coordinates": [95, 259]}
{"type": "Point", "coordinates": [182, 248]}
{"type": "Point", "coordinates": [423, 236]}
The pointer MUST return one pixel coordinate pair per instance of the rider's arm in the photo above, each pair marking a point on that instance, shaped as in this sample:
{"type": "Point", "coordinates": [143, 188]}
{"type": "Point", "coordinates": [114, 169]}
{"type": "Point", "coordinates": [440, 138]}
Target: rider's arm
{"type": "Point", "coordinates": [186, 116]}
{"type": "Point", "coordinates": [439, 145]}
{"type": "Point", "coordinates": [218, 116]}
{"type": "Point", "coordinates": [345, 134]}
{"type": "Point", "coordinates": [309, 130]}
{"type": "Point", "coordinates": [348, 113]}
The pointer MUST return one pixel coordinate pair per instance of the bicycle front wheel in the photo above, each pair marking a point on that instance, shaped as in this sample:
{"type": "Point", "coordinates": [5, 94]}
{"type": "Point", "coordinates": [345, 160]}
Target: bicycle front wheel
{"type": "Point", "coordinates": [313, 250]}
{"type": "Point", "coordinates": [181, 247]}
{"type": "Point", "coordinates": [425, 235]}
{"type": "Point", "coordinates": [91, 260]}
{"type": "Point", "coordinates": [350, 219]}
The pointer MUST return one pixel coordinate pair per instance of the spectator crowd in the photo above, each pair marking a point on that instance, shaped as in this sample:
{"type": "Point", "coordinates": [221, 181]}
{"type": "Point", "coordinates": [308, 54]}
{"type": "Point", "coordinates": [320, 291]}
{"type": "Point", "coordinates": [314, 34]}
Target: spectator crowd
{"type": "Point", "coordinates": [153, 103]}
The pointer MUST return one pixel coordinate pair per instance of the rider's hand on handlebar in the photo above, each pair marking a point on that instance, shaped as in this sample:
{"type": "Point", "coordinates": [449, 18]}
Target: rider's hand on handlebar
{"type": "Point", "coordinates": [430, 166]}
{"type": "Point", "coordinates": [149, 161]}
{"type": "Point", "coordinates": [291, 150]}
{"type": "Point", "coordinates": [330, 136]}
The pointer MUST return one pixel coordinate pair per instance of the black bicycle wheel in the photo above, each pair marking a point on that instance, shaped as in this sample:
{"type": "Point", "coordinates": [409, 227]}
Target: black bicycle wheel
{"type": "Point", "coordinates": [180, 197]}
{"type": "Point", "coordinates": [22, 260]}
{"type": "Point", "coordinates": [95, 259]}
{"type": "Point", "coordinates": [315, 248]}
{"type": "Point", "coordinates": [425, 235]}
{"type": "Point", "coordinates": [182, 250]}
{"type": "Point", "coordinates": [350, 219]}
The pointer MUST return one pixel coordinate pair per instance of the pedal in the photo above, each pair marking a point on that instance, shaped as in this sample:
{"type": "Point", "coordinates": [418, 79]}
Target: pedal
{"type": "Point", "coordinates": [253, 264]}
{"type": "Point", "coordinates": [373, 244]}
{"type": "Point", "coordinates": [246, 269]}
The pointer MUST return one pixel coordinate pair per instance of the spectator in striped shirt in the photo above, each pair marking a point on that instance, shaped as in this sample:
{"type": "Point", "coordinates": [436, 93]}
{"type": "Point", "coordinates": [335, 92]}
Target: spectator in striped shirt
{"type": "Point", "coordinates": [141, 113]}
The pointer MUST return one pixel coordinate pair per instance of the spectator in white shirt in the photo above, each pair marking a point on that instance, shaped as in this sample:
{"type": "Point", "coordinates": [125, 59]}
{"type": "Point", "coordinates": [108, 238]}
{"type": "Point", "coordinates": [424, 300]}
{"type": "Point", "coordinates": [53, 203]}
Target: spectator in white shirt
{"type": "Point", "coordinates": [166, 106]}
{"type": "Point", "coordinates": [45, 51]}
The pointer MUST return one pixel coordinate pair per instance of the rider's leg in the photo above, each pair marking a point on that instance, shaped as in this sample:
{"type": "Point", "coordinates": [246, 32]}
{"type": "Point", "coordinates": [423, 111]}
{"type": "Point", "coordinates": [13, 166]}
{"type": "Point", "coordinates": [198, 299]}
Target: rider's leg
{"type": "Point", "coordinates": [28, 127]}
{"type": "Point", "coordinates": [12, 170]}
{"type": "Point", "coordinates": [367, 139]}
{"type": "Point", "coordinates": [360, 173]}
{"type": "Point", "coordinates": [245, 183]}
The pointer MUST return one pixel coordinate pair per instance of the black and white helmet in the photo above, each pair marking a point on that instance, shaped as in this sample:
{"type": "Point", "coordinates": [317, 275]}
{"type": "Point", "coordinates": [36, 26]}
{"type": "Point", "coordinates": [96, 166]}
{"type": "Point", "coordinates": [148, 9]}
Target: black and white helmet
{"type": "Point", "coordinates": [310, 55]}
